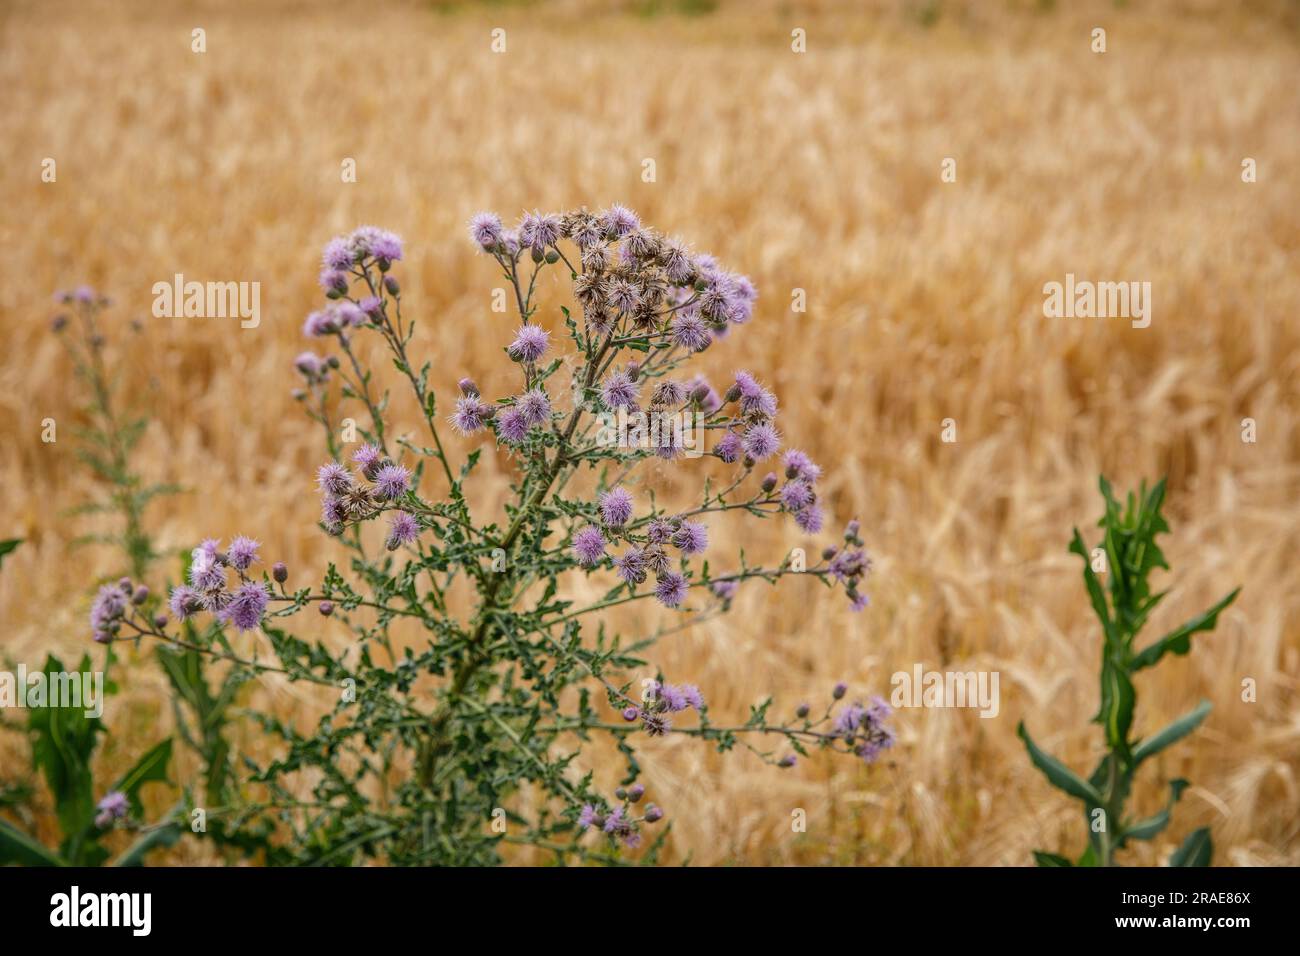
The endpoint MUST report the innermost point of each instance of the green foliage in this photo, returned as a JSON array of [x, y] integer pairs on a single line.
[[1129, 541], [63, 742]]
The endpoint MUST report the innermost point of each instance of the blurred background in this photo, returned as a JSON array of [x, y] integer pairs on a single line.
[[817, 171]]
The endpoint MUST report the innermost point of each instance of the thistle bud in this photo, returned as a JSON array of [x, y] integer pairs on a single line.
[[769, 482], [392, 285], [653, 813], [828, 553], [467, 387], [552, 257], [733, 394], [59, 323], [635, 792], [630, 714], [140, 596], [326, 608], [539, 254], [126, 585], [700, 394], [279, 572], [802, 711], [840, 690], [160, 621], [633, 370], [332, 361], [787, 761], [620, 793]]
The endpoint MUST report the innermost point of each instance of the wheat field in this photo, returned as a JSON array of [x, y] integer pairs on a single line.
[[817, 171]]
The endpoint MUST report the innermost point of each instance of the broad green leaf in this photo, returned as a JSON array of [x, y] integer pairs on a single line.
[[1154, 825], [151, 767], [1050, 859], [1195, 851], [1057, 773], [1179, 640], [1176, 731], [18, 847]]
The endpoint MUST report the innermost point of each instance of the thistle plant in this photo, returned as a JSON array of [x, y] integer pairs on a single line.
[[111, 435], [476, 679], [1131, 554]]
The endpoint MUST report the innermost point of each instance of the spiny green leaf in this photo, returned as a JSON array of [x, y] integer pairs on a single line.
[[1196, 850], [1057, 773], [1171, 734], [1179, 640]]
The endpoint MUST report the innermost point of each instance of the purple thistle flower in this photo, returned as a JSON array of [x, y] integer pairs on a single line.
[[691, 538], [587, 817], [810, 519], [485, 229], [392, 482], [668, 393], [670, 589], [859, 602], [639, 244], [761, 441], [676, 261], [309, 364], [799, 465], [618, 221], [623, 295], [534, 407], [589, 545], [243, 553], [539, 231], [333, 478], [338, 255], [796, 495], [656, 725], [690, 332], [619, 391], [670, 695], [530, 344], [728, 447], [108, 606], [246, 606], [693, 696], [631, 565], [616, 507], [402, 529], [588, 235], [754, 398], [333, 280], [386, 247], [704, 393], [472, 414], [659, 531], [184, 602], [333, 514], [373, 307], [726, 590], [512, 427], [114, 806], [656, 559], [369, 458], [321, 323]]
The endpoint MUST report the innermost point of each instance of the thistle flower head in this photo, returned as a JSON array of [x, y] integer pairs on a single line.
[[589, 546], [619, 390], [184, 602], [242, 553], [530, 343], [472, 414], [534, 407], [761, 441], [670, 589], [630, 565], [369, 458], [617, 221], [691, 538], [402, 529], [615, 507], [333, 478], [690, 332], [810, 519], [486, 230], [391, 482], [113, 806], [539, 230], [246, 606]]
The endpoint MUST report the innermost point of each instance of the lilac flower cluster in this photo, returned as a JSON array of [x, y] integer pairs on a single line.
[[346, 499], [114, 806], [619, 822], [862, 728], [850, 565], [661, 700], [209, 585]]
